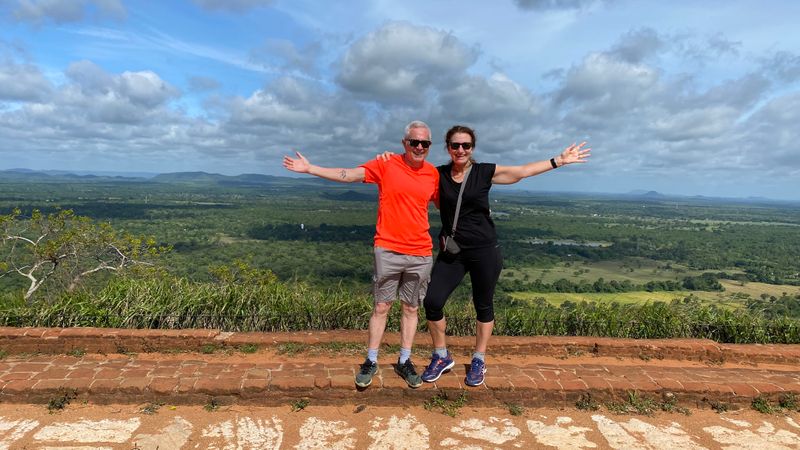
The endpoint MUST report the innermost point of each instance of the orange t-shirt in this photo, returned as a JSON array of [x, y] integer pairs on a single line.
[[403, 196]]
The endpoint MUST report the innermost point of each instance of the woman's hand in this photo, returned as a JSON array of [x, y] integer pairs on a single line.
[[575, 153], [299, 164], [385, 156]]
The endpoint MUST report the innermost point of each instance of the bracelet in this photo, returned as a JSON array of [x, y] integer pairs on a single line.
[[553, 163]]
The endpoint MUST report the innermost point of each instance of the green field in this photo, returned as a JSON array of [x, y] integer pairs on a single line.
[[316, 237]]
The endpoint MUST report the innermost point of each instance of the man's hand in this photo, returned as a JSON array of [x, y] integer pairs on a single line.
[[299, 164], [385, 156]]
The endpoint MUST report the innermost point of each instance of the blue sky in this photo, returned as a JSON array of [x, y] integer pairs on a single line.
[[682, 97]]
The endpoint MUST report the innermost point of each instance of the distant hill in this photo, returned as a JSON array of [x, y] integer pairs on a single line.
[[350, 196], [244, 180]]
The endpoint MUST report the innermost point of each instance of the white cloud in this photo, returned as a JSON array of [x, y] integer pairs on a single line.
[[22, 82], [237, 6], [400, 62], [63, 11], [555, 4]]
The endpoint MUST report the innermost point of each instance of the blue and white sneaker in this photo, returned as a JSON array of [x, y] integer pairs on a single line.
[[437, 367], [475, 376]]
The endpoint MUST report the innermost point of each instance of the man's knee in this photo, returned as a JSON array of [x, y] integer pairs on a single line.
[[409, 309], [381, 308]]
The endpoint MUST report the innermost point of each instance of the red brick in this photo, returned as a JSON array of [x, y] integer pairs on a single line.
[[218, 386], [342, 381], [548, 385], [669, 384], [743, 390], [18, 376], [646, 386], [18, 386], [133, 385], [257, 374], [392, 381], [186, 384], [597, 383], [693, 386], [107, 373], [253, 386], [521, 382], [163, 385], [766, 388], [31, 367], [499, 383], [81, 373], [573, 385], [450, 381], [104, 386], [52, 374], [291, 383]]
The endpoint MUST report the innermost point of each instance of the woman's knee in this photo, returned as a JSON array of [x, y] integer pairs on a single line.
[[484, 315]]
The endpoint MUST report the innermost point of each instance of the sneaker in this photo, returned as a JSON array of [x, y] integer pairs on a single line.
[[437, 367], [475, 375], [408, 373], [364, 376]]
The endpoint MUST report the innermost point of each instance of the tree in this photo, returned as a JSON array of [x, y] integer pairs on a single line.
[[63, 248]]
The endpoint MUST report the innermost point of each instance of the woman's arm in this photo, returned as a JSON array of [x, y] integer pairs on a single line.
[[575, 153], [301, 165]]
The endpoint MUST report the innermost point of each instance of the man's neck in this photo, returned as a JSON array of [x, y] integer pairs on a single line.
[[411, 162]]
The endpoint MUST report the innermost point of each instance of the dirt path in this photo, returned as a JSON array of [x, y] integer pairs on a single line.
[[85, 426]]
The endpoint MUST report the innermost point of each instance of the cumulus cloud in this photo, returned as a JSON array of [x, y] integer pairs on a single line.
[[637, 45], [236, 6], [199, 83], [555, 4], [400, 62], [63, 11], [783, 65], [22, 82], [288, 56]]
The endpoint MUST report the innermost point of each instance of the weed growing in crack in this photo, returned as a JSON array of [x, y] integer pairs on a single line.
[[299, 405], [151, 408], [441, 401], [212, 405], [762, 405], [586, 403], [61, 401]]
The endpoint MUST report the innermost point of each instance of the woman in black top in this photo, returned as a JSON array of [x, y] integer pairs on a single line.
[[475, 235]]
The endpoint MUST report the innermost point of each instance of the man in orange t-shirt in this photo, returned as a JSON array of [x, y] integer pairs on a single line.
[[403, 258]]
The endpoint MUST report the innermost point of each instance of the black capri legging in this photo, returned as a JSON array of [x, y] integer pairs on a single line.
[[484, 266]]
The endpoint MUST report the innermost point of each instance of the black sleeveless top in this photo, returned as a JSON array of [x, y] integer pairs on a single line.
[[475, 228]]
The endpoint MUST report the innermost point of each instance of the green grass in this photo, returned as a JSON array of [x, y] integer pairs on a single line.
[[635, 270], [262, 303]]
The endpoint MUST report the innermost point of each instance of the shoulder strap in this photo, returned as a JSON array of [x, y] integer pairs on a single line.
[[460, 193]]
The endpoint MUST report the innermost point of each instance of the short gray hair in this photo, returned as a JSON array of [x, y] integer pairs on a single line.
[[417, 124]]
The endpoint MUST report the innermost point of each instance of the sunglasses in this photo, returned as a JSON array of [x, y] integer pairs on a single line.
[[464, 145], [415, 142]]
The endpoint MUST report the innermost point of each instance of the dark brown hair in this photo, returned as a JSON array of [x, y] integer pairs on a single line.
[[460, 129]]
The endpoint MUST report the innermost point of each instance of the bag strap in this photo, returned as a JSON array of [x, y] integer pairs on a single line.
[[460, 193]]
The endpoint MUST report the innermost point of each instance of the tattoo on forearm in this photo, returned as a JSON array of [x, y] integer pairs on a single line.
[[343, 175]]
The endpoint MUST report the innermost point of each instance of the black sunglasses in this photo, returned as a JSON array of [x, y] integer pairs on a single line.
[[415, 142], [464, 145]]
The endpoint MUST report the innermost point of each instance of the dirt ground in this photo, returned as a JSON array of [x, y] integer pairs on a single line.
[[87, 426]]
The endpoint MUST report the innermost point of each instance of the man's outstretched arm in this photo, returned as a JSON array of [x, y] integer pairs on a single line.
[[301, 165]]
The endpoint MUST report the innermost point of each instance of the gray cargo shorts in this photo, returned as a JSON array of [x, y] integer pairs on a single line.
[[398, 275]]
